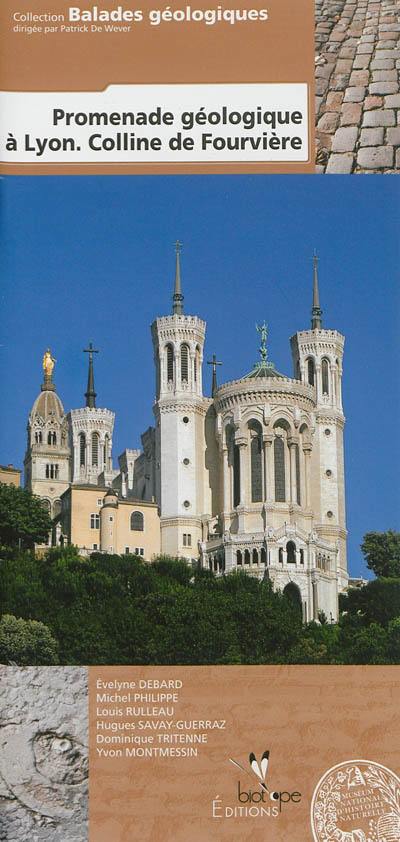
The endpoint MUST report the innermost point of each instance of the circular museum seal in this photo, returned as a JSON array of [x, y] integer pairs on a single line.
[[357, 801]]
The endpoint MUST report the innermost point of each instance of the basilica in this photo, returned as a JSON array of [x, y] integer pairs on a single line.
[[250, 478]]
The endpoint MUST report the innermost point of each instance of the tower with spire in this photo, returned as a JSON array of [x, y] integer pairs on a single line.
[[318, 361], [180, 408], [48, 456], [91, 433]]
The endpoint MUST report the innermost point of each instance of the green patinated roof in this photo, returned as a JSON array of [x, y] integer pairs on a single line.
[[261, 370]]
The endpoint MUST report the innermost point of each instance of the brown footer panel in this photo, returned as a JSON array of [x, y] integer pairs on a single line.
[[181, 768]]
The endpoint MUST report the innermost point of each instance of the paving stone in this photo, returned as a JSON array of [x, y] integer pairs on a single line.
[[393, 54], [339, 81], [334, 100], [345, 139], [365, 48], [372, 137], [360, 62], [344, 65], [350, 114], [375, 157], [359, 77], [392, 101], [384, 75], [383, 88], [393, 136], [373, 102], [398, 159], [321, 86], [340, 164], [329, 122], [382, 64], [354, 94], [381, 117]]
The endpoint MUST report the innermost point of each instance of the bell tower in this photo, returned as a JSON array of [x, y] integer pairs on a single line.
[[91, 437], [178, 341], [47, 458], [318, 361]]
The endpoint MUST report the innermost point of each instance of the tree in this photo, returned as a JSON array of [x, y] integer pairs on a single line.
[[26, 642], [377, 602], [23, 518], [382, 553]]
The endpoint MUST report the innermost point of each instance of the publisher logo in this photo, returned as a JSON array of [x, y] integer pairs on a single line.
[[357, 801], [254, 797]]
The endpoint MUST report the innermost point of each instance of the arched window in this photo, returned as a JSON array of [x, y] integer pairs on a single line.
[[51, 438], [311, 372], [301, 556], [291, 552], [236, 475], [56, 471], [170, 363], [184, 363], [280, 555], [297, 459], [263, 555], [279, 459], [106, 451], [95, 448], [256, 462], [56, 508], [325, 377], [239, 558], [137, 522], [292, 592], [255, 557], [82, 449], [196, 363], [38, 437], [247, 557]]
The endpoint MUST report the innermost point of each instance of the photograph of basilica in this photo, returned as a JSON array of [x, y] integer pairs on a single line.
[[250, 478]]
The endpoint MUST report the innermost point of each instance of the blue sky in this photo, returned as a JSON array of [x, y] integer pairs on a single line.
[[92, 259]]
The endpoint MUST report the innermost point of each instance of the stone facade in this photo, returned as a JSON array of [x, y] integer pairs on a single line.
[[253, 478], [10, 475], [96, 519]]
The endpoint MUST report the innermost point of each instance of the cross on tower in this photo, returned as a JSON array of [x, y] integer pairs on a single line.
[[90, 350], [214, 362]]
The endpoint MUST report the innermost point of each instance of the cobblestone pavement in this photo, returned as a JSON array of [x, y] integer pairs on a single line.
[[357, 86]]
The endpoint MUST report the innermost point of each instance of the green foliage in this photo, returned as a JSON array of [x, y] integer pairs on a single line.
[[111, 609], [382, 553], [118, 609], [26, 642], [378, 601], [23, 520]]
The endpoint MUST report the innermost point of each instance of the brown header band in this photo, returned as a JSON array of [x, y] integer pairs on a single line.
[[279, 49]]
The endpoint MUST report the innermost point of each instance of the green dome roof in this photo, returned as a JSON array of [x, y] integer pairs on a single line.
[[262, 370]]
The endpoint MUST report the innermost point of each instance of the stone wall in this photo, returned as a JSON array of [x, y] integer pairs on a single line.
[[43, 754]]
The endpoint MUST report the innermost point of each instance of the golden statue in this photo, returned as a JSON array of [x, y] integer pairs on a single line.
[[48, 363]]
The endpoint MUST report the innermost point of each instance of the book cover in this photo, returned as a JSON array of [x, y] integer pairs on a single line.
[[199, 505]]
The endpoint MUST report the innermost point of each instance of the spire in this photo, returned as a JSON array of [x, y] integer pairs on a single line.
[[90, 394], [177, 298], [316, 312], [214, 362]]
